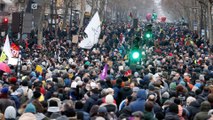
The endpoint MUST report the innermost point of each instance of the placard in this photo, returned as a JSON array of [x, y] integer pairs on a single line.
[[39, 69], [75, 39]]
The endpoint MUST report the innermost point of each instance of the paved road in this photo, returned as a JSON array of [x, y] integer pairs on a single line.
[[158, 8]]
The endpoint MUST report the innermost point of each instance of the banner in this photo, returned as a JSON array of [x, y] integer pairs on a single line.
[[93, 31], [12, 61], [104, 72]]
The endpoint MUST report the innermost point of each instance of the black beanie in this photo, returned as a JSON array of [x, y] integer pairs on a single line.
[[173, 108], [36, 94]]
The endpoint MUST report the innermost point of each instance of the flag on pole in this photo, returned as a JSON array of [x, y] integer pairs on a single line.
[[6, 48], [6, 52], [104, 72], [93, 31]]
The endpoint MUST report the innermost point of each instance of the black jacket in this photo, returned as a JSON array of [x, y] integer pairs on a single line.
[[90, 102], [193, 108]]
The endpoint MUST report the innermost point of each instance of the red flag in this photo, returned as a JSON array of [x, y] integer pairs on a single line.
[[15, 50], [128, 73]]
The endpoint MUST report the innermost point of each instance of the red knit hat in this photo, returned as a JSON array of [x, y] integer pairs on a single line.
[[13, 80]]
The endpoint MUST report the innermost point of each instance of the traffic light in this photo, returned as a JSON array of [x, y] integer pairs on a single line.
[[5, 20], [5, 23], [135, 53], [148, 32], [148, 35]]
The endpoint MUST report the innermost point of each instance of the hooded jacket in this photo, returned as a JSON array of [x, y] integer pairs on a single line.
[[138, 105], [171, 116], [90, 102], [193, 109], [203, 114], [124, 92]]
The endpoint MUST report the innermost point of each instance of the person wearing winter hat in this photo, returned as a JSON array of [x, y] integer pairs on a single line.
[[138, 115], [109, 104], [13, 80], [10, 113], [204, 109], [30, 108], [5, 100], [102, 112], [165, 96], [139, 104], [27, 116], [189, 100]]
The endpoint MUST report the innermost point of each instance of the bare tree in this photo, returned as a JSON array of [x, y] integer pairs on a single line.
[[40, 25], [83, 3]]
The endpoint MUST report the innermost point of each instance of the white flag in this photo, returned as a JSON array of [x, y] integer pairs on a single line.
[[6, 48], [93, 31], [86, 43]]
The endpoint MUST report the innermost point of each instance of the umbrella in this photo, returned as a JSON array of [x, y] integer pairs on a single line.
[[4, 67]]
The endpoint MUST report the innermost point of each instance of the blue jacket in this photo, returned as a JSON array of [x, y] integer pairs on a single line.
[[139, 104]]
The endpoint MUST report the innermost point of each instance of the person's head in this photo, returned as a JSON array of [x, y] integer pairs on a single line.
[[102, 111], [30, 108], [149, 106], [36, 94], [10, 113], [173, 108], [210, 98], [205, 106], [138, 115], [79, 105], [177, 101]]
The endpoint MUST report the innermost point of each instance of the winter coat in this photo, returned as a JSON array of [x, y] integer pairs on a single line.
[[124, 92], [193, 109], [171, 116], [4, 103], [139, 104], [149, 116], [86, 115], [203, 114], [90, 102], [49, 93]]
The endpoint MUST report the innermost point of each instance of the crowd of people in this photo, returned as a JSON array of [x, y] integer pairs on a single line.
[[174, 81]]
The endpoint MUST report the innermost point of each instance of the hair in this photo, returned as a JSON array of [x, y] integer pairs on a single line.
[[149, 106], [177, 101], [210, 98], [79, 105], [173, 108]]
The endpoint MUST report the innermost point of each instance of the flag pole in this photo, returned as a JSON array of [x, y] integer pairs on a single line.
[[20, 40]]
